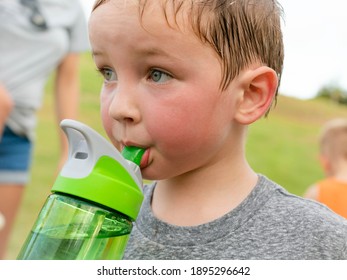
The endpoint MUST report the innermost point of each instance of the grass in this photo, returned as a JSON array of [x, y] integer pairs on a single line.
[[282, 146]]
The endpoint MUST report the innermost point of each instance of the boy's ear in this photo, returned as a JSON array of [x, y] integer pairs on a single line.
[[259, 88]]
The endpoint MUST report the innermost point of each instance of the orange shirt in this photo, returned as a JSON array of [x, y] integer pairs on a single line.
[[333, 193]]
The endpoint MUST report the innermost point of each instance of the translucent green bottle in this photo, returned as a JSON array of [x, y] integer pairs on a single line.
[[94, 201]]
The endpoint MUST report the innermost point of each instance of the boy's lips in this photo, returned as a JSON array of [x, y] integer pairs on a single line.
[[145, 159]]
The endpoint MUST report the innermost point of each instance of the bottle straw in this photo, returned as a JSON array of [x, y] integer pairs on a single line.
[[133, 154]]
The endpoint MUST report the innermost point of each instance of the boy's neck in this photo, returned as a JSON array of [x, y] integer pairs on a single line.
[[204, 195]]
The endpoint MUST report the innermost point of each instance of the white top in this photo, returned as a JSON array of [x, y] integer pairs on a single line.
[[29, 54]]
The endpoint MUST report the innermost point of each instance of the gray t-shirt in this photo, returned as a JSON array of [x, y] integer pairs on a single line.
[[269, 224], [29, 55]]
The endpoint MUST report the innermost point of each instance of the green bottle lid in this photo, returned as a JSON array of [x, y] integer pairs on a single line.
[[97, 172]]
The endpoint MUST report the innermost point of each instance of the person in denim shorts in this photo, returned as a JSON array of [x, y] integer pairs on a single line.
[[37, 38]]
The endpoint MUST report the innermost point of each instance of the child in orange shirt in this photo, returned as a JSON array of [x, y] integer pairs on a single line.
[[332, 191]]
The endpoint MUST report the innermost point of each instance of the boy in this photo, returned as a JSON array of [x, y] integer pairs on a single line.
[[183, 80], [332, 191]]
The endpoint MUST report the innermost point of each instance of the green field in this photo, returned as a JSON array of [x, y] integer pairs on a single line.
[[283, 146]]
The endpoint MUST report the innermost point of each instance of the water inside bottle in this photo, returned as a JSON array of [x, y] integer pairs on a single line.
[[76, 242]]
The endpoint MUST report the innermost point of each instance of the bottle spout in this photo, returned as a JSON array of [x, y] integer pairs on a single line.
[[133, 155]]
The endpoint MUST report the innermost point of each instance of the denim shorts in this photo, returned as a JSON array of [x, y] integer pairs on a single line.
[[15, 157]]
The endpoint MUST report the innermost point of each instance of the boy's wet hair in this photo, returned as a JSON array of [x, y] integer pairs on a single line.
[[242, 32]]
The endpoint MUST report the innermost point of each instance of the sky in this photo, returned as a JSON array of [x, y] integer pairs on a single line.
[[315, 42]]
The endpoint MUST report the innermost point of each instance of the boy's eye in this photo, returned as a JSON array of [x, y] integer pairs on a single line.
[[158, 76], [108, 74]]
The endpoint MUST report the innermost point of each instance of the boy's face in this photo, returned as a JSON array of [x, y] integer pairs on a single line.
[[161, 89]]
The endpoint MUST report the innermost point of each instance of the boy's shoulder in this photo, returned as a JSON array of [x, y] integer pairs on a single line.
[[306, 228], [295, 209]]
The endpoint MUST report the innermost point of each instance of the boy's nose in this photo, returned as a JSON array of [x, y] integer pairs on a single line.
[[123, 107]]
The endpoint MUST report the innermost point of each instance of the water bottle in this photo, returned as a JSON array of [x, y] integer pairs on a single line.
[[94, 201]]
